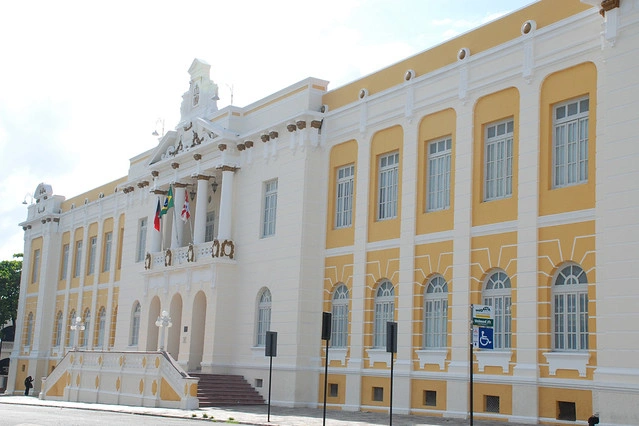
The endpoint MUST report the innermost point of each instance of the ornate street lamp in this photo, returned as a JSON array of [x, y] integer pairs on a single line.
[[77, 326], [163, 322]]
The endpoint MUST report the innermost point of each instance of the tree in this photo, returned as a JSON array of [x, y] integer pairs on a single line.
[[10, 271]]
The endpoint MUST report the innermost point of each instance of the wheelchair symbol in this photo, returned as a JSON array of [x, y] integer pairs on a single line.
[[484, 340]]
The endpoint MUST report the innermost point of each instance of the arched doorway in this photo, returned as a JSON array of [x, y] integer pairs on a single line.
[[152, 330], [198, 325], [175, 311]]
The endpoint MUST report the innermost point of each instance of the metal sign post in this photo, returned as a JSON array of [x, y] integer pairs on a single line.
[[270, 350], [327, 318], [391, 346], [482, 337]]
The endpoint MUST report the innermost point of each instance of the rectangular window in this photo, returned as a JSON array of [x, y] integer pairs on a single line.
[[436, 323], [64, 269], [141, 240], [438, 180], [344, 196], [571, 321], [502, 311], [339, 326], [570, 143], [270, 208], [108, 244], [333, 390], [498, 168], [93, 245], [36, 266], [430, 398], [378, 393], [388, 176], [77, 264], [492, 404], [209, 234], [566, 411]]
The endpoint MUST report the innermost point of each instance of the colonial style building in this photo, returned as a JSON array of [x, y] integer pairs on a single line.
[[498, 168]]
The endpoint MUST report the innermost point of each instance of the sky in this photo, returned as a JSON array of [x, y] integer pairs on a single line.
[[83, 84]]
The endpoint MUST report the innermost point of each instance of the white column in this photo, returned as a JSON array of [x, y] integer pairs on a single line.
[[356, 360], [460, 326], [178, 224], [525, 388], [226, 203], [200, 209], [403, 361]]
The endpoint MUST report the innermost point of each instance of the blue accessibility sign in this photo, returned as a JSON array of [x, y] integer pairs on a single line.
[[485, 338]]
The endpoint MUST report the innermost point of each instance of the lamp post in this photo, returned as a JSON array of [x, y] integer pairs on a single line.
[[77, 326], [163, 321]]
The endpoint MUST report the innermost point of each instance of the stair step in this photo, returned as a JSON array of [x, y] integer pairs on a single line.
[[226, 390]]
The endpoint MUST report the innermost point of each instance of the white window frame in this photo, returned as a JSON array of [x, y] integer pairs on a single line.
[[263, 317], [93, 248], [345, 180], [498, 159], [77, 266], [339, 317], [71, 335], [86, 332], [497, 293], [436, 313], [101, 327], [57, 336], [64, 271], [384, 312], [135, 324], [438, 161], [209, 232], [570, 309], [29, 332], [570, 142], [387, 180], [35, 271], [270, 208], [108, 246], [141, 248]]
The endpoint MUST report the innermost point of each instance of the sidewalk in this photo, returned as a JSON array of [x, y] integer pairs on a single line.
[[258, 415]]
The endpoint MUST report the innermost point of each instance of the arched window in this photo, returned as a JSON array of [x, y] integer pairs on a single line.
[[99, 342], [497, 293], [263, 317], [29, 333], [71, 335], [57, 335], [87, 323], [570, 308], [339, 326], [135, 324], [436, 313], [384, 312]]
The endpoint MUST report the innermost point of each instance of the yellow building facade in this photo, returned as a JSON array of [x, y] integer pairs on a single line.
[[498, 168]]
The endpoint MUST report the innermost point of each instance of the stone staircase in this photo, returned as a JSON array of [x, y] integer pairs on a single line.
[[216, 390]]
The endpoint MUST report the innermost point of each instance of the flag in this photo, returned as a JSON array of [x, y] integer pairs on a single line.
[[156, 221], [168, 202], [186, 213]]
